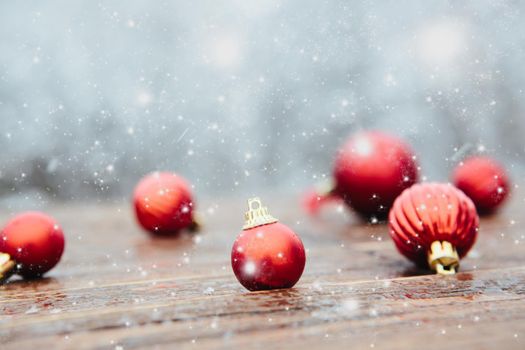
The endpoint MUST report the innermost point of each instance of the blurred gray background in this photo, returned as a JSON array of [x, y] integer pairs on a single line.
[[246, 96]]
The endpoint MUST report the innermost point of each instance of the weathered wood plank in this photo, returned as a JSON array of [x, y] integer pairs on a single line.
[[117, 287]]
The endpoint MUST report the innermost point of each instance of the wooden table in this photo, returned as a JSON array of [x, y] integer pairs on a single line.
[[117, 288]]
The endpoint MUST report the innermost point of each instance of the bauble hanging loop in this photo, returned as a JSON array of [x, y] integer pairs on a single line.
[[257, 215], [443, 258]]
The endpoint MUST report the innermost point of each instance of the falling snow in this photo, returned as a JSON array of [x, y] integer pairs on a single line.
[[233, 101], [244, 96]]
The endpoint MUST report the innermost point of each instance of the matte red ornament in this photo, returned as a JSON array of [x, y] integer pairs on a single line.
[[370, 171], [434, 225], [164, 204], [266, 254], [484, 180], [31, 244]]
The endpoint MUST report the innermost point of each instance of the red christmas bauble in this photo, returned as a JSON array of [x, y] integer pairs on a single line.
[[163, 203], [314, 199], [434, 225], [371, 170], [34, 241], [266, 254], [484, 181]]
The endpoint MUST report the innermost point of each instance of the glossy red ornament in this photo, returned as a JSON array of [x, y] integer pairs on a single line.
[[484, 181], [164, 204], [34, 241], [371, 170], [434, 225], [266, 254]]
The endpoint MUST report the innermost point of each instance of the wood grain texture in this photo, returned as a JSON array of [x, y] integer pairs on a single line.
[[118, 288]]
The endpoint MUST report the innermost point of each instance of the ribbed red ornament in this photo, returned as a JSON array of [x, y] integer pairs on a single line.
[[266, 254], [35, 243], [371, 170], [484, 180], [434, 225], [163, 203]]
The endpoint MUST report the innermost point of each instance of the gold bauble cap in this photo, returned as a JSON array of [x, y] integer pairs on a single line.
[[257, 215], [7, 267], [443, 258]]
